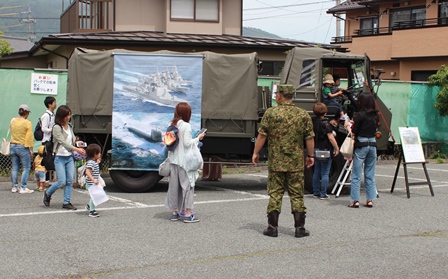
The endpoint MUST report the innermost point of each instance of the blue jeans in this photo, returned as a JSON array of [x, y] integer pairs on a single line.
[[322, 173], [364, 156], [20, 154], [65, 171]]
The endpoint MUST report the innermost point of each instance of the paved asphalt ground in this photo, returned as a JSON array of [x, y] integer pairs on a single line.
[[133, 238]]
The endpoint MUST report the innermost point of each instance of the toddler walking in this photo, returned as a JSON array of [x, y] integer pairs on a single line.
[[39, 170], [93, 152]]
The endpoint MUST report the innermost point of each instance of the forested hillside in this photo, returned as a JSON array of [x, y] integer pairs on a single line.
[[14, 15]]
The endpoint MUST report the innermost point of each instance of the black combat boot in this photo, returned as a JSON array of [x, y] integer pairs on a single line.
[[273, 224], [299, 224]]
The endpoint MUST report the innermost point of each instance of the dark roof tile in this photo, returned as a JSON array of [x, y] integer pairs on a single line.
[[345, 6], [150, 37]]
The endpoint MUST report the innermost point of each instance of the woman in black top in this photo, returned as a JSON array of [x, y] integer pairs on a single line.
[[364, 131], [323, 140]]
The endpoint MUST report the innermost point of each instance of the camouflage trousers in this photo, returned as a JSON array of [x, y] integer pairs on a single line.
[[291, 181]]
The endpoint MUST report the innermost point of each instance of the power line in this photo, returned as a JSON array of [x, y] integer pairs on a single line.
[[12, 7], [281, 16], [287, 6], [52, 18]]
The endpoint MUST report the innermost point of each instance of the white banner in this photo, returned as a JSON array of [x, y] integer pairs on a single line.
[[44, 84]]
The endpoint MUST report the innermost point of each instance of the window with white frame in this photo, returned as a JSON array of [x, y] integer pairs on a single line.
[[199, 10]]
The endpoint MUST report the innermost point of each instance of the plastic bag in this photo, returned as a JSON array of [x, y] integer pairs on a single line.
[[98, 194], [194, 159]]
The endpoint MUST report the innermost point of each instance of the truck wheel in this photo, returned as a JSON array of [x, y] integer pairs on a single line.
[[135, 181], [336, 167]]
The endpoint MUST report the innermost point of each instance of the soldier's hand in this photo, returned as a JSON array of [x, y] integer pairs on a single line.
[[255, 159]]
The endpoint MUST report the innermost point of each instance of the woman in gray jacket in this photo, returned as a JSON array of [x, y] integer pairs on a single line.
[[64, 146]]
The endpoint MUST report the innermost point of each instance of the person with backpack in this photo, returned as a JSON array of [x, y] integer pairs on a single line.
[[47, 119], [47, 122], [180, 193], [64, 145], [323, 141]]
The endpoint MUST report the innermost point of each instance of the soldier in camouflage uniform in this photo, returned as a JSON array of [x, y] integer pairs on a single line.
[[287, 127]]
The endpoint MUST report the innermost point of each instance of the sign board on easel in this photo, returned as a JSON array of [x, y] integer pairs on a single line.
[[411, 153], [412, 146]]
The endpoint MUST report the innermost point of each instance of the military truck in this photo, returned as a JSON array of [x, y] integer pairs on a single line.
[[231, 104]]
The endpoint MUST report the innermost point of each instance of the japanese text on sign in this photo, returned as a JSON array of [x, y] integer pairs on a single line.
[[44, 84]]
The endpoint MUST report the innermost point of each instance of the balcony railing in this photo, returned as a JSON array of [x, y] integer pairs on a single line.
[[411, 24], [86, 16], [341, 39]]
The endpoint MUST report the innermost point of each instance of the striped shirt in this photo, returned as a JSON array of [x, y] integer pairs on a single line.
[[95, 170]]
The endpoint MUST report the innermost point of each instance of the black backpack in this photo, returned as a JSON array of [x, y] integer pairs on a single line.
[[48, 159], [38, 133]]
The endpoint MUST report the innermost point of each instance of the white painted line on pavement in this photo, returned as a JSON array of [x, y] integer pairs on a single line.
[[410, 178], [134, 205]]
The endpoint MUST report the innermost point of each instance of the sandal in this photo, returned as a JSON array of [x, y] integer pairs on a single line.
[[354, 204], [369, 203]]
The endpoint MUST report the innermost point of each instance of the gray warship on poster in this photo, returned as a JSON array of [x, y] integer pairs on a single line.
[[147, 87]]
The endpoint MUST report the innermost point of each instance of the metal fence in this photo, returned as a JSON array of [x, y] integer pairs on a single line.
[[5, 165]]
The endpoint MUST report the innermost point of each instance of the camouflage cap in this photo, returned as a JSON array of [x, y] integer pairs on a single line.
[[285, 89]]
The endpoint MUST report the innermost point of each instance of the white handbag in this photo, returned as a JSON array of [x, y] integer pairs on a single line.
[[164, 168], [6, 144], [347, 147]]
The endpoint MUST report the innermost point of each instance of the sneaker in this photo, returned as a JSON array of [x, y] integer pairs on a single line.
[[88, 207], [25, 191], [14, 189], [175, 217], [47, 199], [323, 197], [316, 196], [68, 206], [182, 214], [93, 214], [191, 219]]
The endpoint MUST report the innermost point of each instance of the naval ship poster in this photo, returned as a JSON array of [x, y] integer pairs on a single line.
[[147, 87]]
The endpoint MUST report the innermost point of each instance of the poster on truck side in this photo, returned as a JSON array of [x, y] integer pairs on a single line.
[[147, 87]]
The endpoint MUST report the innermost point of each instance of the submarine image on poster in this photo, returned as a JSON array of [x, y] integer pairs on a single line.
[[155, 136]]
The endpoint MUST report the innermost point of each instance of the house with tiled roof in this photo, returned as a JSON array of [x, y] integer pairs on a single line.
[[405, 38], [18, 44], [150, 25]]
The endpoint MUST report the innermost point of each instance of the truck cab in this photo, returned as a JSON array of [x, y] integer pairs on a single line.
[[305, 69]]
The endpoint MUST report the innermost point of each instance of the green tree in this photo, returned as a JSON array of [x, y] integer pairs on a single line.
[[441, 79], [5, 47]]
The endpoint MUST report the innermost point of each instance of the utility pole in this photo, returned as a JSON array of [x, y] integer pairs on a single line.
[[338, 21], [29, 21]]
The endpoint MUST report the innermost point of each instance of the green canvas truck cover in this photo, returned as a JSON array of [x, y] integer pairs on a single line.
[[229, 83]]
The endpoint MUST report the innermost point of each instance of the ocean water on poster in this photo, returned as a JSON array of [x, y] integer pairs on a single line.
[[130, 150]]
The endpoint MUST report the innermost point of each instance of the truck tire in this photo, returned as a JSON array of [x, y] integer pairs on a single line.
[[135, 181], [336, 167]]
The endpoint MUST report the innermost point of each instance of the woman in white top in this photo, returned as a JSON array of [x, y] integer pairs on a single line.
[[64, 146], [181, 182]]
